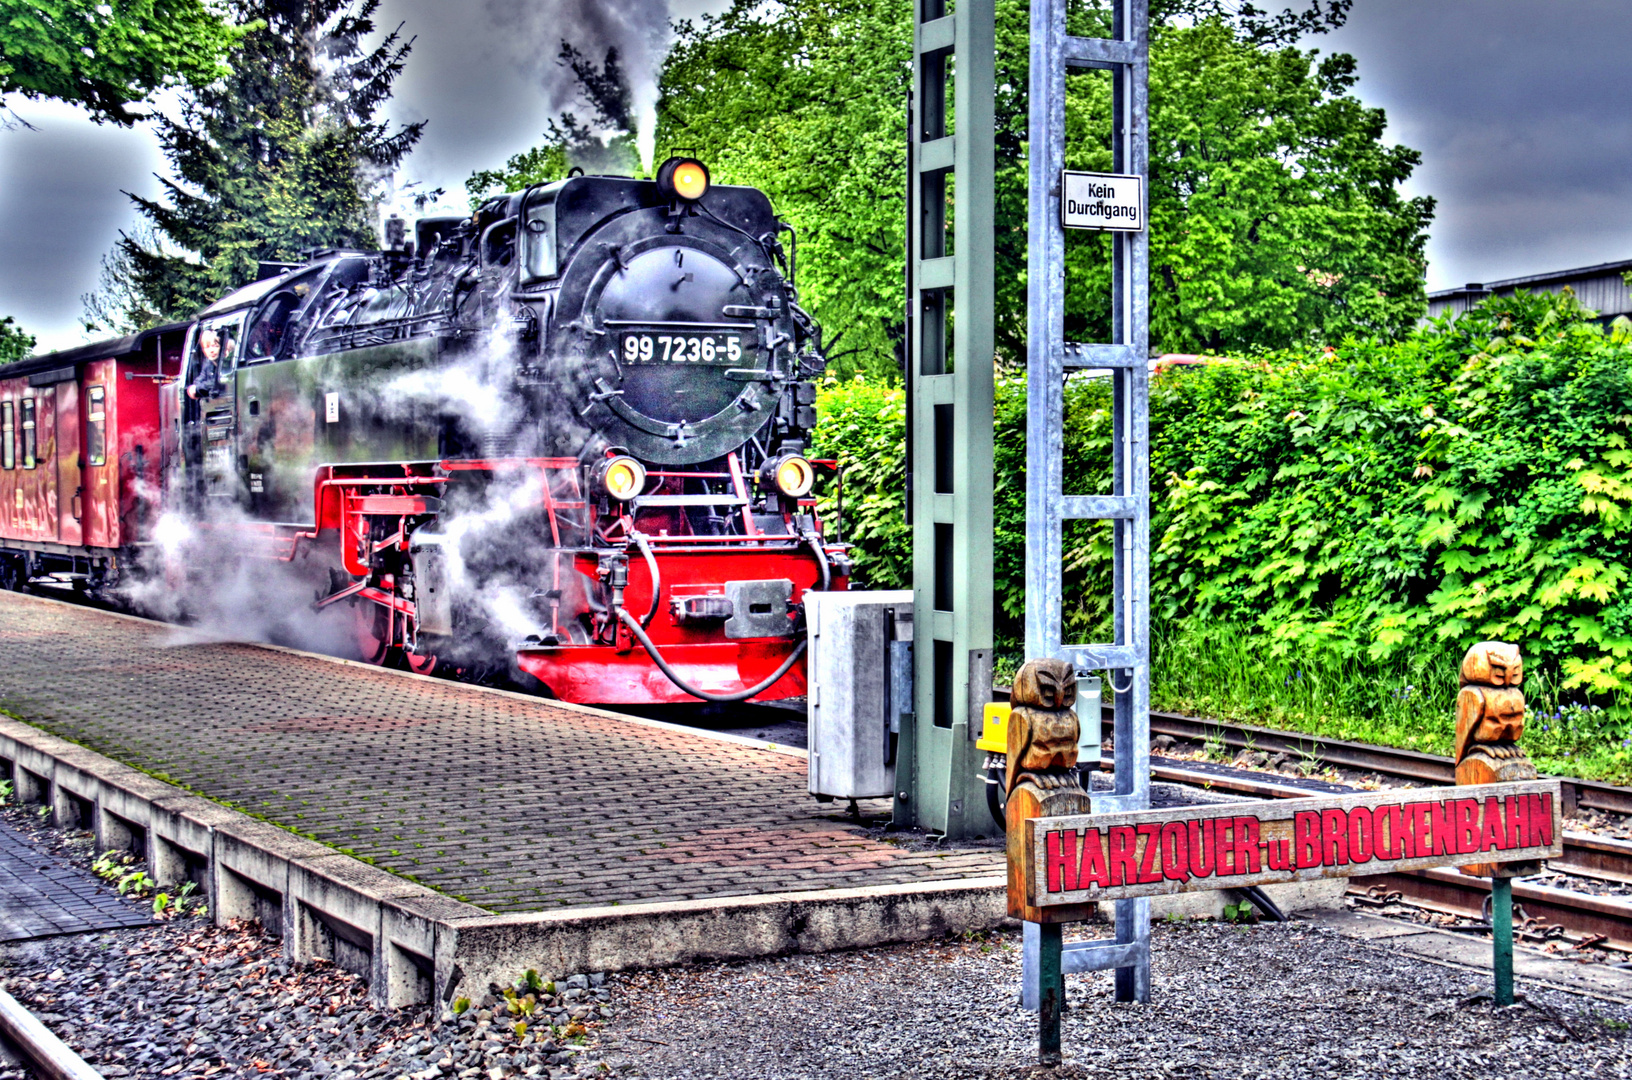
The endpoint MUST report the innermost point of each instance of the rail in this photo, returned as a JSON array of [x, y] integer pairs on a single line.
[[1605, 920], [1384, 760]]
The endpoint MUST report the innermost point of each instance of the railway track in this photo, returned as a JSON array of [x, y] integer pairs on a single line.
[[1593, 914], [1383, 760]]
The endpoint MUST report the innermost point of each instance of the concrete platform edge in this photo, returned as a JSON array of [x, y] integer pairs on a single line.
[[500, 948]]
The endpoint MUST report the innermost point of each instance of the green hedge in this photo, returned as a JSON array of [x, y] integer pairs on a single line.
[[1352, 517]]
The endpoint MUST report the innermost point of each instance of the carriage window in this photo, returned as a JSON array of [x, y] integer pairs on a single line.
[[96, 427], [28, 433], [8, 435]]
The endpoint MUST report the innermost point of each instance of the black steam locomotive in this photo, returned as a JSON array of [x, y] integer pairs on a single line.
[[567, 433]]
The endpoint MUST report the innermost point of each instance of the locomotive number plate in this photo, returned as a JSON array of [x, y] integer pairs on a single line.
[[642, 347]]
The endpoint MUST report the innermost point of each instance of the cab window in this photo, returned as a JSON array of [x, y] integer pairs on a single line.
[[28, 433], [96, 426], [214, 353], [8, 435], [268, 337]]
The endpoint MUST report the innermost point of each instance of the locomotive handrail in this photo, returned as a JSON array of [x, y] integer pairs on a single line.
[[689, 500], [780, 539]]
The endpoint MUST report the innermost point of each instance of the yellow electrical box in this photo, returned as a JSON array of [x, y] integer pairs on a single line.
[[994, 732]]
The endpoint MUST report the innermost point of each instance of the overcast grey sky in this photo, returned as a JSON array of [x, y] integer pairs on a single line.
[[1522, 110]]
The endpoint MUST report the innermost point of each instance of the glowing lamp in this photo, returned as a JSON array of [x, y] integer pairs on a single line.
[[683, 178], [621, 477], [794, 476]]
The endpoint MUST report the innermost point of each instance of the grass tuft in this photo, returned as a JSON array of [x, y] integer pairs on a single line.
[[1223, 671]]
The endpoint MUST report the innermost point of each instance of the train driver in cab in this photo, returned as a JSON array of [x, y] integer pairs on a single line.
[[215, 357]]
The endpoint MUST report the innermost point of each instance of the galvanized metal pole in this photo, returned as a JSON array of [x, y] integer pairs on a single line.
[[951, 401], [1049, 358], [1501, 934]]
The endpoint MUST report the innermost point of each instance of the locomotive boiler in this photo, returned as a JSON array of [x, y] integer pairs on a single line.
[[562, 441]]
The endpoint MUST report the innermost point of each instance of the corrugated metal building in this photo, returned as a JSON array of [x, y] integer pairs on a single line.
[[1600, 287]]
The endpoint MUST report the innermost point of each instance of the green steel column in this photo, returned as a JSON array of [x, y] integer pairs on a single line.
[[1501, 934], [1051, 1003], [950, 357]]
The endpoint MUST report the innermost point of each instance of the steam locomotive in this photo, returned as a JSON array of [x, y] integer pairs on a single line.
[[562, 441]]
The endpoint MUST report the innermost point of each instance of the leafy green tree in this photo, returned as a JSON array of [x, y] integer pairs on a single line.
[[1340, 522], [807, 101], [605, 144], [106, 56], [1274, 207], [283, 155], [15, 343], [1275, 211]]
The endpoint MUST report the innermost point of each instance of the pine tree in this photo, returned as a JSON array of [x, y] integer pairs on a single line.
[[282, 156]]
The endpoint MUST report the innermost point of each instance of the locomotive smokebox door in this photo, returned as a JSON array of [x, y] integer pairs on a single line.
[[852, 704]]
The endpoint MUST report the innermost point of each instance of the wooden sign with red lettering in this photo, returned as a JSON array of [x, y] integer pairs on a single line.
[[1071, 860]]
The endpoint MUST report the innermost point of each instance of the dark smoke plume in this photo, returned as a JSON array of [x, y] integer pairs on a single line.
[[561, 42]]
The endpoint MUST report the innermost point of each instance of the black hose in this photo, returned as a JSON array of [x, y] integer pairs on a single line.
[[657, 579], [995, 779], [663, 665], [1260, 900], [821, 560]]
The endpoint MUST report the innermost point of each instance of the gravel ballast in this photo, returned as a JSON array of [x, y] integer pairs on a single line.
[[189, 999], [1287, 1000], [197, 1000]]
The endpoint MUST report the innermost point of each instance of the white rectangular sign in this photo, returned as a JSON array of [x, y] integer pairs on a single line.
[[1107, 201]]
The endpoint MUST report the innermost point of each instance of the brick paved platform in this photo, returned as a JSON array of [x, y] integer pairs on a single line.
[[42, 896], [511, 803]]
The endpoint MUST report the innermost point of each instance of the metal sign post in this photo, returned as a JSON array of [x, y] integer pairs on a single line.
[[1049, 358], [938, 786]]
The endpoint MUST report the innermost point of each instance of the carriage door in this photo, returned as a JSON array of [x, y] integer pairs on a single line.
[[70, 495], [99, 468]]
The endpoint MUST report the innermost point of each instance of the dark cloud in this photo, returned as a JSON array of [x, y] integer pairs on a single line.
[[1520, 108], [1523, 112], [60, 211]]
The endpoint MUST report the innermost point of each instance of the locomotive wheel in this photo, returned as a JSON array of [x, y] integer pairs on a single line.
[[372, 632], [419, 665]]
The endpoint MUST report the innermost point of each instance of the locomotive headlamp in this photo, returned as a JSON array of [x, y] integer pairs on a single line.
[[683, 178], [793, 476], [621, 477]]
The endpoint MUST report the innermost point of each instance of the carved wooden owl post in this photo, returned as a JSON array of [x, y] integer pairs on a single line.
[[1489, 723], [1041, 771]]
